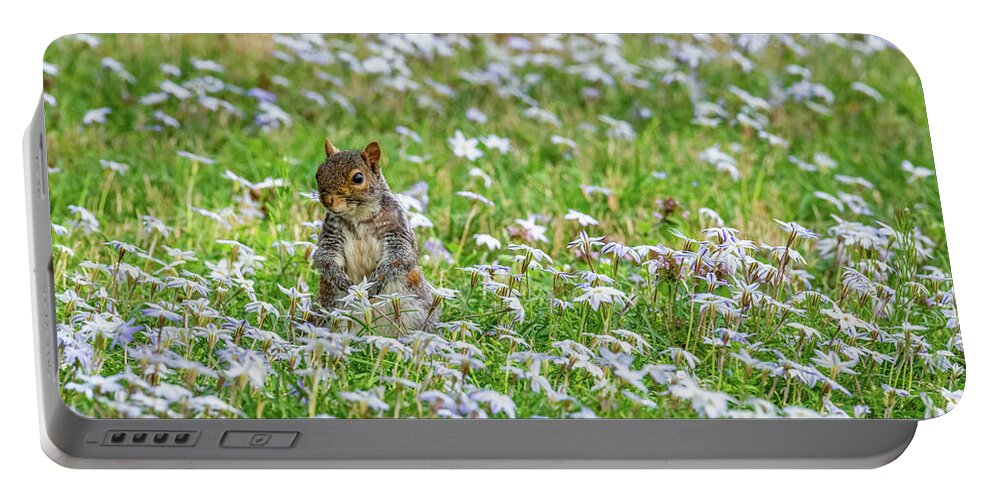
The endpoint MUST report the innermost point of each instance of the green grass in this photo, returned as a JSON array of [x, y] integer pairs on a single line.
[[866, 138]]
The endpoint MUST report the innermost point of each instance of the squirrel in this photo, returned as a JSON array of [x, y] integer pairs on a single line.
[[365, 236]]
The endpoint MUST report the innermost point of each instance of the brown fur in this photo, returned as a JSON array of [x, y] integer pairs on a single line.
[[414, 279]]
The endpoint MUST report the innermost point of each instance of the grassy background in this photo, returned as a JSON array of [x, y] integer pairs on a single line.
[[867, 138]]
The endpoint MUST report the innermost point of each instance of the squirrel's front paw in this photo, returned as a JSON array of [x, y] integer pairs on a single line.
[[377, 286], [338, 279]]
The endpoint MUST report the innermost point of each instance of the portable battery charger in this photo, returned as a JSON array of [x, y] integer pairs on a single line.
[[486, 251]]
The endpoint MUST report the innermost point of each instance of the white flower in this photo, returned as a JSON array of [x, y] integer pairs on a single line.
[[475, 115], [558, 139], [153, 225], [248, 366], [376, 65], [847, 322], [774, 140], [206, 65], [270, 116], [90, 40], [916, 173], [120, 168], [710, 404], [170, 69], [370, 399], [867, 90], [469, 195], [170, 87], [498, 402], [417, 220], [118, 69], [165, 311], [357, 293], [722, 161], [485, 240], [619, 129], [98, 115], [824, 161], [797, 229], [406, 132], [854, 181], [501, 144], [581, 218], [464, 147], [478, 172], [833, 363], [529, 229], [154, 98], [195, 157], [589, 190], [952, 397], [166, 119], [585, 242], [542, 115], [535, 254], [87, 220], [597, 295], [638, 400]]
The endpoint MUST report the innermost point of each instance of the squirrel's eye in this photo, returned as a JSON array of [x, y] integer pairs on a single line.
[[357, 179]]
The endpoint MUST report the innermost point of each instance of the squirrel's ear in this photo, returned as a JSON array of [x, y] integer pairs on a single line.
[[371, 154], [329, 148]]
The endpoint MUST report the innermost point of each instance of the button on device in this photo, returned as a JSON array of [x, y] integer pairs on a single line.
[[260, 439]]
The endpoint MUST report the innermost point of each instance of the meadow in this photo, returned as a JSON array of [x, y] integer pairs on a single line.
[[615, 226]]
